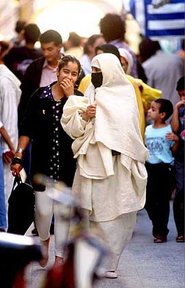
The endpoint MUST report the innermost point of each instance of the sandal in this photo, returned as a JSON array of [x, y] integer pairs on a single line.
[[160, 239], [180, 239], [111, 274]]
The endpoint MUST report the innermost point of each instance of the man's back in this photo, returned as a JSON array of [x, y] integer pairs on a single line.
[[19, 58], [163, 70]]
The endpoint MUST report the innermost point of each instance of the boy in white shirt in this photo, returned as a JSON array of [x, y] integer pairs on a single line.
[[161, 143]]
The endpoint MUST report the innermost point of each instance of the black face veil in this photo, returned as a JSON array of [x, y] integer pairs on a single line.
[[97, 79]]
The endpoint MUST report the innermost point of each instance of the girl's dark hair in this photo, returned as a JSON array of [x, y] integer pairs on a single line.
[[66, 59], [165, 106]]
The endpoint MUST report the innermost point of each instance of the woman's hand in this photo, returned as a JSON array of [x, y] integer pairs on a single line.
[[89, 113], [8, 156], [67, 86], [16, 165], [16, 168]]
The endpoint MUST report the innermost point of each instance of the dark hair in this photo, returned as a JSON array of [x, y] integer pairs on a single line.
[[109, 48], [181, 84], [148, 48], [166, 106], [90, 42], [20, 25], [31, 33], [66, 59], [51, 36], [112, 26], [75, 39]]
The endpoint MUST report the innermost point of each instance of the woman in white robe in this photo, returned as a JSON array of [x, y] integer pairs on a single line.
[[110, 179]]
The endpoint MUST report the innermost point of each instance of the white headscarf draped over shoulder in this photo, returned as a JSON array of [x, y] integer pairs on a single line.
[[128, 56], [117, 117], [116, 125]]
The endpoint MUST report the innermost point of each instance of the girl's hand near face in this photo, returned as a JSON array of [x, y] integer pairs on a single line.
[[89, 113], [67, 86]]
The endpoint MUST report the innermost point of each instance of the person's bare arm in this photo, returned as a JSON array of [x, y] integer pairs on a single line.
[[21, 147], [173, 137], [175, 116], [8, 155], [16, 165], [6, 138]]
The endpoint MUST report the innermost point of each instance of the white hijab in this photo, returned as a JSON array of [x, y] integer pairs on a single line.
[[117, 117], [115, 126]]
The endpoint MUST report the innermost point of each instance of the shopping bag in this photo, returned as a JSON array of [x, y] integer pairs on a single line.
[[20, 207]]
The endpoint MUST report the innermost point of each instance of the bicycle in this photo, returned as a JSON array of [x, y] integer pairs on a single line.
[[85, 251]]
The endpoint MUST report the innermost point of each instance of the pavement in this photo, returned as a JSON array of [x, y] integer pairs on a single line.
[[143, 264]]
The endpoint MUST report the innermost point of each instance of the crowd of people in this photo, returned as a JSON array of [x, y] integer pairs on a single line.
[[108, 123]]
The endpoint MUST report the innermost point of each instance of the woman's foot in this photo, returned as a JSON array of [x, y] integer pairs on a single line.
[[43, 262], [160, 239], [180, 238], [111, 274]]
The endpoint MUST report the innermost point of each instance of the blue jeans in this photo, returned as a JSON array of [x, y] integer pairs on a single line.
[[3, 222]]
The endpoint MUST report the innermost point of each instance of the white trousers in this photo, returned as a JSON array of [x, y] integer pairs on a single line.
[[117, 234], [45, 208]]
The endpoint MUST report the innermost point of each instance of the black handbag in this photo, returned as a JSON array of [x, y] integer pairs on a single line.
[[21, 207]]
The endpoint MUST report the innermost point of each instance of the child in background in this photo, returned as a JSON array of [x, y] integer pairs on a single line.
[[178, 126], [161, 143], [4, 134]]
